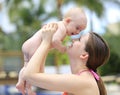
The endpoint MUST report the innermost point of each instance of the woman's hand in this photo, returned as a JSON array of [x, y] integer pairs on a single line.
[[48, 31]]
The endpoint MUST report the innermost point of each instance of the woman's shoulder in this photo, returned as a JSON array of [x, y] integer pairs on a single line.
[[87, 83]]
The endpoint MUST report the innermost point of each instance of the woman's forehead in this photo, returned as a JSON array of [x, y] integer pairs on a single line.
[[85, 36]]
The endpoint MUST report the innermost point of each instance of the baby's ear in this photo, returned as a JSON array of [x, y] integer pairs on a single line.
[[68, 20]]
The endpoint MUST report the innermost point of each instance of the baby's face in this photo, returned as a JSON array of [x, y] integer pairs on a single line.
[[73, 28]]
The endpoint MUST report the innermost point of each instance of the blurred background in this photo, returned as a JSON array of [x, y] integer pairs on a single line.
[[20, 19]]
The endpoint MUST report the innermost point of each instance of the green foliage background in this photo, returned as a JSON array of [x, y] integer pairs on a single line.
[[112, 67]]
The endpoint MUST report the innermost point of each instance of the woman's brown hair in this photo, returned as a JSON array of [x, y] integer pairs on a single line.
[[99, 53]]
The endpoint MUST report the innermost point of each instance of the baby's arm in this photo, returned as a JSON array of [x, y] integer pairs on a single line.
[[57, 40]]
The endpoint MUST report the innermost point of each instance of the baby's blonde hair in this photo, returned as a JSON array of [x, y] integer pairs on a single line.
[[75, 13]]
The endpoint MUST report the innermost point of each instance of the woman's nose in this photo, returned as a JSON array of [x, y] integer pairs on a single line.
[[77, 32]]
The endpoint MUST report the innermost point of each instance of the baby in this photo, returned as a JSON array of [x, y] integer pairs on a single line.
[[73, 22]]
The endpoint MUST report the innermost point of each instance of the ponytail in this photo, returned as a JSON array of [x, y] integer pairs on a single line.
[[99, 53]]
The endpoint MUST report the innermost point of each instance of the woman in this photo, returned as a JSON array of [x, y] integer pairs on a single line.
[[86, 55]]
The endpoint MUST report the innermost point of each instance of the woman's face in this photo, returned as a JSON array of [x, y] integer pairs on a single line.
[[78, 46]]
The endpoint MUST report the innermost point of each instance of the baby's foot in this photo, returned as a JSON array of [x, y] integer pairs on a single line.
[[21, 87], [29, 90]]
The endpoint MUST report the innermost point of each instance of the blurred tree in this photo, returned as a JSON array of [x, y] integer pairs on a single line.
[[27, 17], [117, 2], [7, 40], [59, 5], [2, 34], [0, 6], [112, 66]]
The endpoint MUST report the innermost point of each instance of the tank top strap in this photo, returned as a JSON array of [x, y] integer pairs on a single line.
[[96, 76]]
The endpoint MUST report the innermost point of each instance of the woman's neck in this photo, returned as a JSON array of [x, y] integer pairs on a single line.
[[77, 66]]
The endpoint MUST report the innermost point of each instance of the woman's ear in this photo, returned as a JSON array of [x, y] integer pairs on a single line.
[[84, 56]]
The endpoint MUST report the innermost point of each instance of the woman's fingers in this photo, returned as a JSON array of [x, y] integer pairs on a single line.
[[55, 26], [49, 27], [52, 27], [48, 31]]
